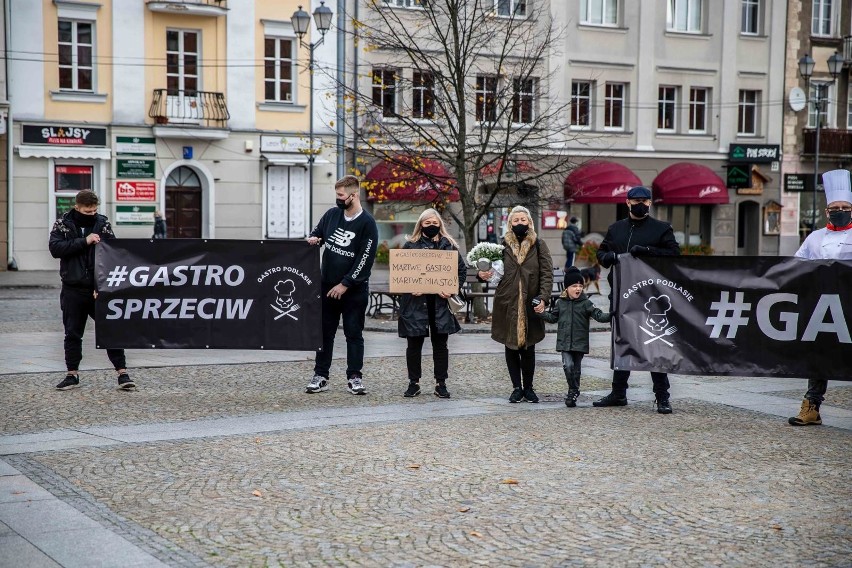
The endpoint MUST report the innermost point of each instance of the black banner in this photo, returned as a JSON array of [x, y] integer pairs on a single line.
[[58, 135], [216, 294], [742, 316]]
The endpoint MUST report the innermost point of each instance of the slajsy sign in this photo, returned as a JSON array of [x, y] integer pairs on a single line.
[[59, 135]]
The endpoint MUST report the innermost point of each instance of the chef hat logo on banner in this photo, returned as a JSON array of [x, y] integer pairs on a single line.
[[658, 319]]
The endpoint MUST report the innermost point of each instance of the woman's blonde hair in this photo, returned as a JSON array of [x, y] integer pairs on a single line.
[[415, 235], [519, 209]]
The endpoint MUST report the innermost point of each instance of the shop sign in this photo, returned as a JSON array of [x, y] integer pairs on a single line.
[[739, 177], [800, 183], [57, 135], [292, 144], [755, 153], [135, 146], [64, 204], [134, 214], [135, 191], [137, 169]]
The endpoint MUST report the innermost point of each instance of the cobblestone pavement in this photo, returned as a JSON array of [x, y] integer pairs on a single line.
[[707, 486], [721, 482]]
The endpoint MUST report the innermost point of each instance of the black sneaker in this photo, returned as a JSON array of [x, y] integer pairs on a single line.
[[529, 395], [516, 396], [441, 391], [68, 383], [413, 390], [571, 399], [125, 382], [664, 406], [611, 400]]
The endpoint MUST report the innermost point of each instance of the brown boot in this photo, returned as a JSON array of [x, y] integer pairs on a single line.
[[808, 415]]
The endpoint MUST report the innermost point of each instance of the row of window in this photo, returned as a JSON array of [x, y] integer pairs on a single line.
[[669, 108]]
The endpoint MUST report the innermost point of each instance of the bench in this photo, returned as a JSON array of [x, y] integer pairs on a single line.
[[470, 296], [382, 299]]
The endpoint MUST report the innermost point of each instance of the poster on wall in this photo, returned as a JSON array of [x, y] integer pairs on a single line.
[[64, 203], [134, 215], [135, 146], [135, 191], [135, 168], [286, 203]]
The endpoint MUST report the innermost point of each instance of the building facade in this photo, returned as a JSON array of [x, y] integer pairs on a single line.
[[684, 96], [819, 29], [198, 108]]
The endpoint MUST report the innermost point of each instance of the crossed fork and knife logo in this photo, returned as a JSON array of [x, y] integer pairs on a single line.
[[655, 337]]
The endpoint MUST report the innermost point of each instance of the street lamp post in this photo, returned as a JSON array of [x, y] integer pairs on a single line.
[[806, 70], [301, 21]]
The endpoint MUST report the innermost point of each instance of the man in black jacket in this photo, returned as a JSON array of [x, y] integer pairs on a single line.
[[640, 235], [73, 240], [350, 236]]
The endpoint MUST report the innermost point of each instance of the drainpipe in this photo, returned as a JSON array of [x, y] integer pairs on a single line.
[[355, 79], [10, 185], [341, 81]]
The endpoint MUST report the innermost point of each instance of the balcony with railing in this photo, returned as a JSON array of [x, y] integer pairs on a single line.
[[833, 142], [190, 7], [195, 110]]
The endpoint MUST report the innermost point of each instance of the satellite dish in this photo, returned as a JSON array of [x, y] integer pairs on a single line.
[[797, 99]]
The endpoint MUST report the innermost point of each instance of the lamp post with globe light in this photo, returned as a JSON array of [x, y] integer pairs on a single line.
[[806, 70], [301, 21]]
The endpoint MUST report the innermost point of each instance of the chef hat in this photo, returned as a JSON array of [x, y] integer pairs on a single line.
[[837, 186]]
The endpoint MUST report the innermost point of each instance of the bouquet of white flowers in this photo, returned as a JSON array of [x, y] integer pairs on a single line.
[[485, 257]]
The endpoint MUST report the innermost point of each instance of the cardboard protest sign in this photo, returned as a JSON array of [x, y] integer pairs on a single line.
[[423, 271]]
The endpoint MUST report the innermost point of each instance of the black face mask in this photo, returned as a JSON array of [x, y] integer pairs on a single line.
[[341, 203], [520, 230], [82, 220], [840, 218], [639, 210], [430, 231]]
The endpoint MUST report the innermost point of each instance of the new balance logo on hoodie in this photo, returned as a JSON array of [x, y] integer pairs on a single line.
[[341, 238]]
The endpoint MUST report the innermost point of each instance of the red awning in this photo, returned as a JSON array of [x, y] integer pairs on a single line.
[[600, 182], [689, 184], [410, 179]]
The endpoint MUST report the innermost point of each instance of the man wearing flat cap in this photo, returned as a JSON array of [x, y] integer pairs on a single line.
[[832, 242], [640, 235]]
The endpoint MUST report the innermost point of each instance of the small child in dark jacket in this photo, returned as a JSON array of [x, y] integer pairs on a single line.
[[572, 311]]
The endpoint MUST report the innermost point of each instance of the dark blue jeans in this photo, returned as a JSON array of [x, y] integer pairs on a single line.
[[352, 306]]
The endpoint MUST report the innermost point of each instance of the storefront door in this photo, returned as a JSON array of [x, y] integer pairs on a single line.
[[183, 204], [748, 228]]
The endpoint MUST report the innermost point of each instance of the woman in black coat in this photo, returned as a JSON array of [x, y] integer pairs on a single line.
[[422, 315]]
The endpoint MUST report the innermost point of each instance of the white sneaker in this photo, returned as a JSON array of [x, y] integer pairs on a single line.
[[317, 384], [355, 385]]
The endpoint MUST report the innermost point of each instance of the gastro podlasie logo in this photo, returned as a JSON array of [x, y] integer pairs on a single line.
[[288, 284]]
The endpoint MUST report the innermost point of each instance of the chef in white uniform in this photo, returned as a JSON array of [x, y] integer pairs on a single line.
[[832, 242]]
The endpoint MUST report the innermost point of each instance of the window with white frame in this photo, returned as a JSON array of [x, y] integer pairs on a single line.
[[384, 91], [667, 109], [821, 93], [523, 100], [683, 15], [750, 21], [599, 12], [699, 100], [581, 104], [508, 8], [486, 98], [76, 49], [747, 112], [822, 18], [422, 95], [278, 69], [849, 110], [614, 104], [406, 3]]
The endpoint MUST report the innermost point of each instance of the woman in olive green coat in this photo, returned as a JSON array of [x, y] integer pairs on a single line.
[[524, 289]]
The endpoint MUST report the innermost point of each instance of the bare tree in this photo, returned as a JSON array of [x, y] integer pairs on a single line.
[[465, 83]]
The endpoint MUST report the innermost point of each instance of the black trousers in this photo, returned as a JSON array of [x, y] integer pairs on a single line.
[[78, 305], [352, 306], [521, 364], [660, 380], [440, 356]]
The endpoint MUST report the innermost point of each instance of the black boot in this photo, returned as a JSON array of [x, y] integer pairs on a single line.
[[612, 399], [571, 399], [663, 405]]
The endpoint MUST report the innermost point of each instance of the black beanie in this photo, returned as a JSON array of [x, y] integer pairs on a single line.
[[573, 276]]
